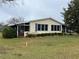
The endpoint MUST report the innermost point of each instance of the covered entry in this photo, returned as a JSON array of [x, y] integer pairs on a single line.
[[21, 28]]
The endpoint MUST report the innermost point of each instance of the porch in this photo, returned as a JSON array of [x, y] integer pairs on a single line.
[[21, 29]]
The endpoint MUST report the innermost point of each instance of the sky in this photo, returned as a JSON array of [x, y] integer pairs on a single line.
[[34, 9]]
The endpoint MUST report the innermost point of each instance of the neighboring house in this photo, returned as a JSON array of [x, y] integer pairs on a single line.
[[47, 25]]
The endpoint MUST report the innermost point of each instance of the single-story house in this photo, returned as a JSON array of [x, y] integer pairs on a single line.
[[41, 26]]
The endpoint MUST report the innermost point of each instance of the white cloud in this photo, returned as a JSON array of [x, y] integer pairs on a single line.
[[33, 9]]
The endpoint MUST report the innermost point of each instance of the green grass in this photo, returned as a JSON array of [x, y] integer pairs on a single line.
[[49, 47]]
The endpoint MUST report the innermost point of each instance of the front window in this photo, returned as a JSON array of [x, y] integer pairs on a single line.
[[46, 27], [41, 27], [55, 27]]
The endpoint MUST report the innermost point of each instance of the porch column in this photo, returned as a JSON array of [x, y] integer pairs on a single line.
[[17, 31], [65, 30], [61, 28]]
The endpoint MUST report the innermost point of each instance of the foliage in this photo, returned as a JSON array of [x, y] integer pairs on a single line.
[[44, 34], [9, 32], [1, 26], [71, 16], [15, 20], [11, 2], [6, 1]]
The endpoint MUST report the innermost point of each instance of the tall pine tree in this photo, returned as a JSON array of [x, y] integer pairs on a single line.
[[71, 16]]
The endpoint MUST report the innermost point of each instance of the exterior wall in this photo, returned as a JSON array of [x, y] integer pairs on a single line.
[[48, 21]]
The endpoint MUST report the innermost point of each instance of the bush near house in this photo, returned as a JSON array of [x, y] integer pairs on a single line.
[[44, 34], [9, 32]]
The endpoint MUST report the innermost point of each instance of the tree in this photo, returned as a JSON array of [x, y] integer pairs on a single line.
[[15, 20], [71, 15], [9, 32], [6, 1], [11, 2], [1, 26]]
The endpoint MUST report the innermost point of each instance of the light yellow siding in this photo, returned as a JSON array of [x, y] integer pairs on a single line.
[[47, 21]]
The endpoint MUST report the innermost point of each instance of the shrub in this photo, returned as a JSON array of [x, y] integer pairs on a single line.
[[44, 34], [9, 32], [32, 35]]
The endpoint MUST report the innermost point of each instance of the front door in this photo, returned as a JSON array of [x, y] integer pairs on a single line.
[[21, 30]]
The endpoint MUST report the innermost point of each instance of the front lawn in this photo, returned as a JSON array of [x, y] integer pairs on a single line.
[[49, 47]]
